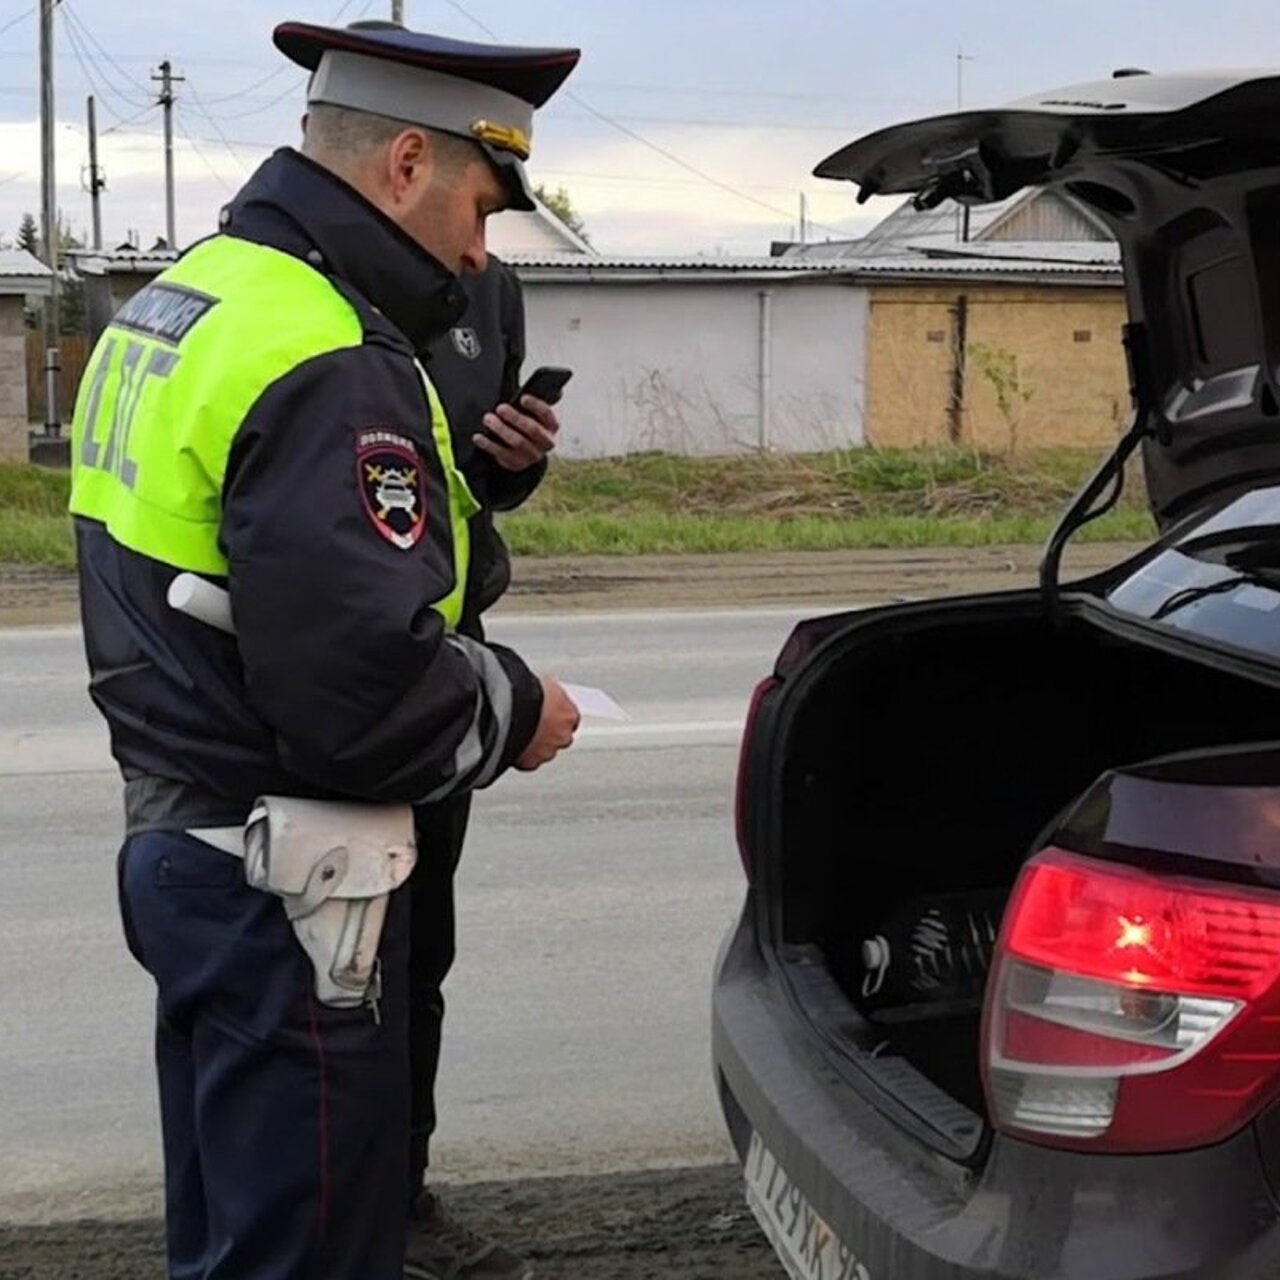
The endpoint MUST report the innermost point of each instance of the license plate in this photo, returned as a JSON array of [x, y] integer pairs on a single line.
[[806, 1245]]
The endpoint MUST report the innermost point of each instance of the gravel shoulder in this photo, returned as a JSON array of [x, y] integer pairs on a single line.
[[39, 597], [687, 1223]]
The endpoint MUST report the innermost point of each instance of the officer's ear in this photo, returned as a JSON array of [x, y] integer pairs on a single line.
[[411, 164]]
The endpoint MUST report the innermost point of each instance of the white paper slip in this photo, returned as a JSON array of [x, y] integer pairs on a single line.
[[594, 702]]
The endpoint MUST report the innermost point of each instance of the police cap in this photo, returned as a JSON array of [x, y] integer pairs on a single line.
[[484, 92]]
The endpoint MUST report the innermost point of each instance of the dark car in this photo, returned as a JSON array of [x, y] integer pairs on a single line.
[[1004, 999]]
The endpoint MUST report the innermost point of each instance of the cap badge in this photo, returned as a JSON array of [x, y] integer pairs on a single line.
[[504, 137]]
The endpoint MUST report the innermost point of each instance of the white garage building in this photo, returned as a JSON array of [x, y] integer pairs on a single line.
[[699, 356]]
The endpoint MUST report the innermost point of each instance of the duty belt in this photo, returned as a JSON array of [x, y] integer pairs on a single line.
[[152, 803]]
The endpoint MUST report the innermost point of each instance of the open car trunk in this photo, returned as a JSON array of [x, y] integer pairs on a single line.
[[1185, 171], [920, 766]]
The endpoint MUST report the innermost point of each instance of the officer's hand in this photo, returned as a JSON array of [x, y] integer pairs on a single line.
[[523, 438], [559, 722]]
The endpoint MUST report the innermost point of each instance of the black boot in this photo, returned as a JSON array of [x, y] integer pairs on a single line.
[[441, 1248]]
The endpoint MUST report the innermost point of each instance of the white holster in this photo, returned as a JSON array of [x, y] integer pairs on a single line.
[[334, 866]]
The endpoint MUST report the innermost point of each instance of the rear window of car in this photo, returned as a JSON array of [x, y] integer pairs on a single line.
[[1218, 579]]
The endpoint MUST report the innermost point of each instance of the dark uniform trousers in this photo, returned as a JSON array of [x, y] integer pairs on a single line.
[[441, 830], [266, 1179], [469, 387]]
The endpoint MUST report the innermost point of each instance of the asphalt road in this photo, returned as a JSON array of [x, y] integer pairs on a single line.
[[592, 899]]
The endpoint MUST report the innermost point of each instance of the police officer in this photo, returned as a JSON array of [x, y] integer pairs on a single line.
[[256, 417], [502, 448]]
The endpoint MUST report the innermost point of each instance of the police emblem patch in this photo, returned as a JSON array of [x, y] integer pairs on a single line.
[[466, 342], [389, 475]]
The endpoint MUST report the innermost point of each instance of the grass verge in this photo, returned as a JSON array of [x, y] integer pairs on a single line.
[[34, 528], [589, 534], [658, 503]]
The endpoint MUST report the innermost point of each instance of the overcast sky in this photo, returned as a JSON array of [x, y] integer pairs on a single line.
[[744, 96]]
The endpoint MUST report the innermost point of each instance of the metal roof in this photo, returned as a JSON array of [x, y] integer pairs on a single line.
[[98, 262], [906, 230], [535, 231], [939, 225], [657, 262], [18, 262], [1006, 261], [1103, 252], [22, 273], [911, 230], [1010, 266]]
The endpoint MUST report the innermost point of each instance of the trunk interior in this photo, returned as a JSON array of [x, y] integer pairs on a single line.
[[919, 771]]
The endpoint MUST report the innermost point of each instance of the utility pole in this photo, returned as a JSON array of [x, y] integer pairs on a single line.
[[397, 11], [97, 180], [804, 219], [167, 80], [49, 218], [961, 59]]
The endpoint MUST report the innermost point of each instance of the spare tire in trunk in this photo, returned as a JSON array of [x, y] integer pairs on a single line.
[[920, 768]]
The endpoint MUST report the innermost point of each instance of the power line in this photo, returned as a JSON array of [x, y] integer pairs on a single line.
[[475, 22], [146, 59], [623, 179], [666, 90], [125, 123], [101, 90], [248, 90], [243, 144], [703, 91], [682, 163], [688, 122], [640, 138], [13, 22], [73, 18], [675, 121], [697, 122], [182, 128], [266, 106], [626, 179], [217, 128], [586, 175]]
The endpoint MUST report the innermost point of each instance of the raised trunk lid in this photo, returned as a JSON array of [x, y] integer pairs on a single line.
[[1185, 170]]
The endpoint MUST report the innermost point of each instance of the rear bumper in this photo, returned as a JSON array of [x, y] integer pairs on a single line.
[[902, 1213]]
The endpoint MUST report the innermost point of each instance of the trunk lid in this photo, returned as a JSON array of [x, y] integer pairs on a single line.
[[1185, 170]]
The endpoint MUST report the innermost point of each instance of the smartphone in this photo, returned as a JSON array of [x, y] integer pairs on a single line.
[[546, 383]]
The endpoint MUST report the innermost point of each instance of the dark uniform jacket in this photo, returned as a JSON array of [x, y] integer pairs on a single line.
[[475, 367], [342, 680]]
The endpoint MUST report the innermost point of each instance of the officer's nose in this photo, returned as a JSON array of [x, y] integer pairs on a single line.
[[476, 257]]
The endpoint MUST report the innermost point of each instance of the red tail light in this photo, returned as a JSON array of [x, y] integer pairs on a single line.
[[745, 851], [1132, 1012]]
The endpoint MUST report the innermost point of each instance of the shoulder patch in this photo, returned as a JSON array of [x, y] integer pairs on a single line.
[[165, 311], [389, 476]]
